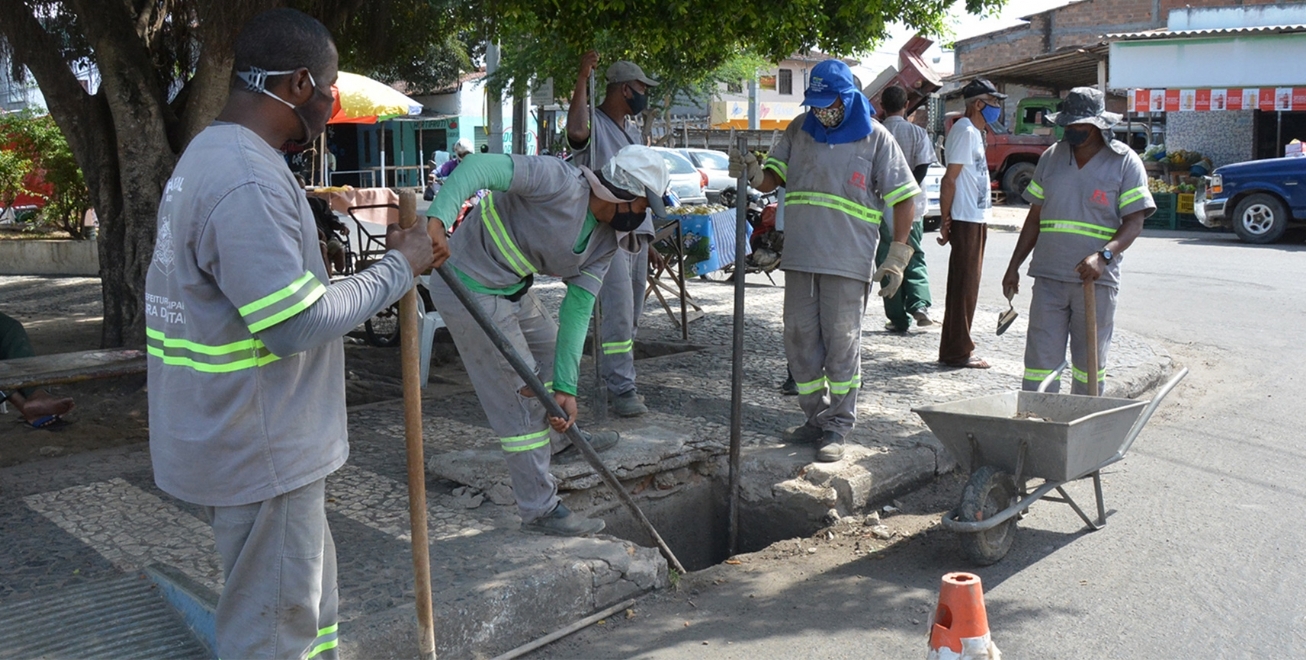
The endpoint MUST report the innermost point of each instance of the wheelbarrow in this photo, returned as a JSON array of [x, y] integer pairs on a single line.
[[1005, 440]]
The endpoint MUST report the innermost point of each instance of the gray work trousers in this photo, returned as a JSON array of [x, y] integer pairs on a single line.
[[279, 561], [518, 420], [1056, 314], [621, 301], [823, 342]]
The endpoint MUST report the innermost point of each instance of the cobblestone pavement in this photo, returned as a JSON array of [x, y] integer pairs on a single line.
[[98, 515]]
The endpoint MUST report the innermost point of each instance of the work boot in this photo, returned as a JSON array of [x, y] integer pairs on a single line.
[[601, 441], [629, 405], [830, 447], [561, 521], [790, 387], [803, 435], [923, 319]]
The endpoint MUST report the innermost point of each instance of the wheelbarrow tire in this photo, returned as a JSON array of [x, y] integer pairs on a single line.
[[989, 491]]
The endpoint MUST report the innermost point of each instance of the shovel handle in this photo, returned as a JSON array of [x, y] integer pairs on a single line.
[[1090, 334]]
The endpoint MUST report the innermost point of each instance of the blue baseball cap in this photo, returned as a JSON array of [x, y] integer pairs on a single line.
[[828, 81]]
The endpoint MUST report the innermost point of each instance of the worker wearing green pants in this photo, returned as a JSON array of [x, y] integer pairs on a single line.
[[912, 300]]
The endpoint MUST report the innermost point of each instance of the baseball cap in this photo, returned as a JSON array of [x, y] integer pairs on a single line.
[[626, 71], [635, 171], [827, 82], [980, 87]]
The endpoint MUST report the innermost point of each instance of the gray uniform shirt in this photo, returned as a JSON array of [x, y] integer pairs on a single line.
[[1082, 208], [916, 148], [237, 253], [597, 152], [836, 196], [534, 227]]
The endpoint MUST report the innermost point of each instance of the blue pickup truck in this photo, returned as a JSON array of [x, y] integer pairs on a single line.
[[1259, 199]]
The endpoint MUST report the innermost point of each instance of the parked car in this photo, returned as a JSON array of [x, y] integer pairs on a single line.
[[1259, 199], [931, 185], [686, 181], [715, 166]]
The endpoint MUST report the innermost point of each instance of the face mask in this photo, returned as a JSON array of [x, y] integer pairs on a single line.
[[991, 113], [637, 101], [627, 220], [256, 81], [1076, 137], [829, 117]]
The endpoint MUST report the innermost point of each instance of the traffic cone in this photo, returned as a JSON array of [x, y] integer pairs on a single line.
[[959, 629]]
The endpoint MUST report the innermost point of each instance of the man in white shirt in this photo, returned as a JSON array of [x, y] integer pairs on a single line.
[[964, 204]]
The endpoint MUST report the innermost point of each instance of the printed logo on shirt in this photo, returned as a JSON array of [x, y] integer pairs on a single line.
[[163, 251], [858, 179], [1100, 198]]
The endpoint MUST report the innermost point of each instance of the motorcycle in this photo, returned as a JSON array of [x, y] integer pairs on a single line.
[[767, 243]]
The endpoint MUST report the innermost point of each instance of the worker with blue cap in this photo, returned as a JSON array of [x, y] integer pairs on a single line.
[[842, 173]]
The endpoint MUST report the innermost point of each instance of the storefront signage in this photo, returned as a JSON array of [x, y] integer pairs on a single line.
[[1268, 99]]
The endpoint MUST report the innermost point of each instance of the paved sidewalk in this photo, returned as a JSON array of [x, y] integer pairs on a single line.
[[98, 516]]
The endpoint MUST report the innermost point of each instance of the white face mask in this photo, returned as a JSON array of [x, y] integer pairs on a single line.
[[256, 81]]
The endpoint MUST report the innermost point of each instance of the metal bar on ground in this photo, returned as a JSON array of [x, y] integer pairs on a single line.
[[563, 632], [410, 353], [552, 408], [737, 352]]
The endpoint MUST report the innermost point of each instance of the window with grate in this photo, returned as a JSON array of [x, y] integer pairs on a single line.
[[786, 82]]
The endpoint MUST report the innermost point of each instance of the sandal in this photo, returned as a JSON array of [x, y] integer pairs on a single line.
[[973, 363], [43, 422]]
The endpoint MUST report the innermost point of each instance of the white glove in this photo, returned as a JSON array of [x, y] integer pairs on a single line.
[[894, 264], [746, 162]]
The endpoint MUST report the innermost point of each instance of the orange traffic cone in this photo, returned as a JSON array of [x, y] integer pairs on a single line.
[[959, 629]]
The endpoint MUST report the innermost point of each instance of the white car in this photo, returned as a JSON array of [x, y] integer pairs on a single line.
[[716, 166], [931, 185], [686, 181]]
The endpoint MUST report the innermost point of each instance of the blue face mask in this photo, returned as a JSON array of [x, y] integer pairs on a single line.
[[991, 113]]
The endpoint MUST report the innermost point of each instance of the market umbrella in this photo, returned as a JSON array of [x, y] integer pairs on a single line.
[[362, 100]]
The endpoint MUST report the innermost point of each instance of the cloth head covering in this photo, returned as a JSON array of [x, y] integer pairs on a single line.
[[830, 80]]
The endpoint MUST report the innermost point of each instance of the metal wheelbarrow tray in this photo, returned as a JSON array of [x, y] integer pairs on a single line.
[[1006, 439]]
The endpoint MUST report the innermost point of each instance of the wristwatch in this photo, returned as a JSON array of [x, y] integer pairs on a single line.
[[1107, 255]]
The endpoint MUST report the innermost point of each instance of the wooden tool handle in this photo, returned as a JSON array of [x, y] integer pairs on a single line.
[[1090, 335]]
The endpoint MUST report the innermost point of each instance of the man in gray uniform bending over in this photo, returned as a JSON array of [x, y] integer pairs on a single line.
[[243, 331], [542, 216], [622, 297]]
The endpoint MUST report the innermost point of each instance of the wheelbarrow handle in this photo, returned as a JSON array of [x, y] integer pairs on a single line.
[[1147, 414]]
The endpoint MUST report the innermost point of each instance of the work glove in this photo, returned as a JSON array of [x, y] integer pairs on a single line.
[[890, 273], [746, 162]]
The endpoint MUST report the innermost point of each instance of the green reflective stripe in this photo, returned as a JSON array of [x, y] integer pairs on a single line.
[[503, 241], [1080, 228], [906, 192], [834, 202], [616, 347], [1082, 376], [812, 387], [328, 630], [1037, 374], [526, 442], [549, 386], [324, 646], [244, 354], [289, 301], [1132, 196], [846, 386], [779, 166], [1034, 189], [592, 276]]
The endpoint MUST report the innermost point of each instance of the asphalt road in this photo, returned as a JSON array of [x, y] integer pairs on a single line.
[[1203, 553]]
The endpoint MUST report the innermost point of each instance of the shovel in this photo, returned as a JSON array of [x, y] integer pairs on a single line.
[[1005, 319], [1090, 336]]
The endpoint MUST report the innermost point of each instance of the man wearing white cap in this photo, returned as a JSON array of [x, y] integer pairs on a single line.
[[542, 215], [842, 174], [622, 295]]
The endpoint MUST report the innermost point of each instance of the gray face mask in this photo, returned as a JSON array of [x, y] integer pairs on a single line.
[[256, 81]]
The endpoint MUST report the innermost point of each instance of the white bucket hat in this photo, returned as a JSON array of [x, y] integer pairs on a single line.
[[639, 171]]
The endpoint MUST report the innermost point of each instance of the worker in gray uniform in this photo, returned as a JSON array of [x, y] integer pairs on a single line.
[[541, 216], [622, 297], [1088, 200], [841, 172], [244, 340], [912, 301]]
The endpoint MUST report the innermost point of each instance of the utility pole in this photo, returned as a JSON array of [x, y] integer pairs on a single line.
[[520, 104], [495, 137], [754, 110]]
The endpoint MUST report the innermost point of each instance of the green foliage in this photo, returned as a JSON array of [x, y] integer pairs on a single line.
[[38, 142], [14, 167]]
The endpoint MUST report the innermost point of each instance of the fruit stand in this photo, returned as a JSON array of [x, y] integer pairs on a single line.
[[1172, 180]]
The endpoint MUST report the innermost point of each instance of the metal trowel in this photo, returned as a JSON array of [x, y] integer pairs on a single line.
[[1005, 319]]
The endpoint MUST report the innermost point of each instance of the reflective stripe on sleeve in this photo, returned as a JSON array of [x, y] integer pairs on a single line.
[[526, 442], [1131, 196], [618, 347], [1034, 189], [1073, 227], [499, 234], [906, 192], [866, 213], [281, 305], [779, 166], [244, 354], [812, 387]]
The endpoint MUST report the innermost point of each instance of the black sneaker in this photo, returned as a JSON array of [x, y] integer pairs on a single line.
[[789, 388], [803, 435], [601, 441], [561, 521], [629, 404], [830, 447]]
